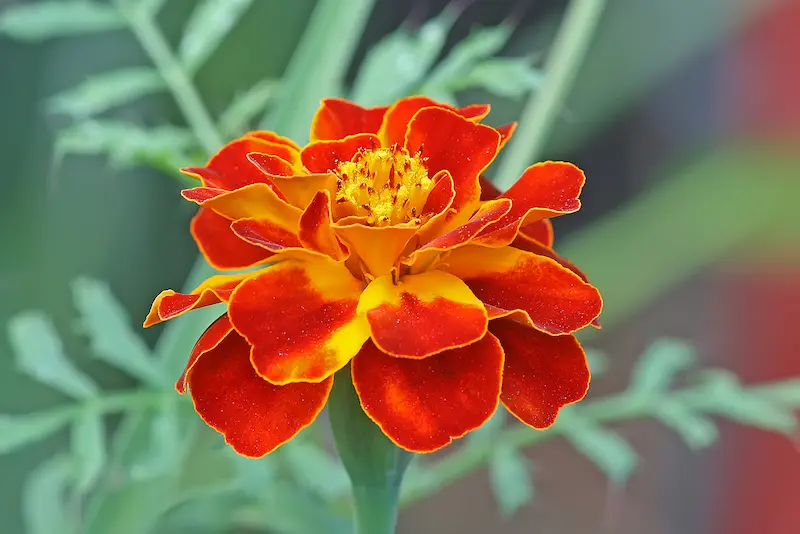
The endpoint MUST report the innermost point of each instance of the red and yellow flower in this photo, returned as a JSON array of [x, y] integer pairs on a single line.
[[382, 247]]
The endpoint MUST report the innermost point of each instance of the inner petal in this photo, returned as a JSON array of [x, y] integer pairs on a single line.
[[388, 186]]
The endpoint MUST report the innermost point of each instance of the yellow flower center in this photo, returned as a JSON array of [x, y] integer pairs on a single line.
[[387, 185]]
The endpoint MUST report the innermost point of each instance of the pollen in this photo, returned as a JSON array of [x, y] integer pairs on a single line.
[[388, 186]]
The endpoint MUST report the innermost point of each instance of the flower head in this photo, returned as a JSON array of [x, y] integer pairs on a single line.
[[383, 247]]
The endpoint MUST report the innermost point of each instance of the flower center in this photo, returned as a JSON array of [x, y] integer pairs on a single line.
[[386, 185]]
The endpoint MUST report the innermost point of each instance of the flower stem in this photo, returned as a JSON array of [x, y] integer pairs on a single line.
[[538, 117], [375, 464]]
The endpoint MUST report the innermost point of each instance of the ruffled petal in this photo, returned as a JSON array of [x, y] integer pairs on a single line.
[[170, 304], [396, 119], [422, 405], [506, 131], [252, 201], [488, 190], [230, 169], [300, 319], [545, 190], [255, 417], [450, 142], [541, 231], [542, 373], [422, 314], [489, 212], [551, 298], [213, 336], [436, 210], [325, 156], [315, 227], [300, 190], [379, 247], [272, 137], [221, 248], [267, 234], [337, 118]]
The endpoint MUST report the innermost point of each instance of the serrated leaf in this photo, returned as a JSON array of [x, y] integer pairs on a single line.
[[404, 57], [504, 77], [88, 449], [19, 430], [478, 45], [246, 107], [44, 495], [36, 21], [107, 324], [105, 91], [749, 409], [606, 449], [127, 144], [163, 445], [785, 392], [133, 508], [207, 27], [40, 354], [657, 367], [314, 469], [696, 430], [510, 479]]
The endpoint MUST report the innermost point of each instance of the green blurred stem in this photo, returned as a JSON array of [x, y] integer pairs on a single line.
[[180, 84], [375, 465], [543, 107], [319, 64]]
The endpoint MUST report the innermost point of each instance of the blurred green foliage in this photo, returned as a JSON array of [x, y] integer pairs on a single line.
[[138, 460]]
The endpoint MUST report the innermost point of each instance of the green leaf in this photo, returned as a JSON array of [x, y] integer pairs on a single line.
[[287, 509], [162, 449], [657, 367], [105, 91], [504, 77], [785, 392], [404, 57], [107, 324], [478, 45], [44, 506], [126, 144], [19, 430], [240, 114], [313, 468], [88, 449], [510, 479], [254, 475], [39, 354], [697, 431], [207, 27], [612, 454], [133, 508], [36, 21]]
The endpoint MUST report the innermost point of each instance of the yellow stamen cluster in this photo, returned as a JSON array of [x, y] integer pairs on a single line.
[[387, 185]]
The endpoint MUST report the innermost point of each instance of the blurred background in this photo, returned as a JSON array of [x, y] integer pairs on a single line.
[[685, 116]]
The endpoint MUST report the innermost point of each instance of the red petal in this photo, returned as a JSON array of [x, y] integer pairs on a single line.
[[272, 137], [255, 417], [541, 231], [422, 315], [488, 213], [395, 121], [555, 299], [169, 304], [545, 190], [325, 156], [506, 131], [300, 319], [230, 169], [337, 118], [251, 201], [422, 405], [266, 234], [220, 246], [270, 165], [488, 190], [450, 142], [213, 336], [542, 373], [315, 227]]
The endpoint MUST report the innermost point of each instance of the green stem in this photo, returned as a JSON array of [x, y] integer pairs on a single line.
[[319, 64], [563, 63], [180, 84], [375, 465]]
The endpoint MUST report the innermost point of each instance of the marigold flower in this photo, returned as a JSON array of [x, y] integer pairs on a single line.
[[390, 252]]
